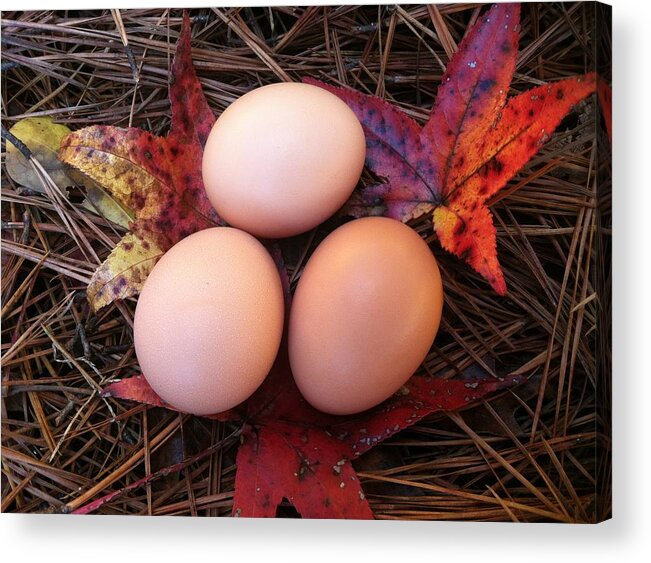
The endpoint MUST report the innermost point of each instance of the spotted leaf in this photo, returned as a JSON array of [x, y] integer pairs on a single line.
[[159, 178], [421, 396], [303, 465], [473, 143], [124, 272]]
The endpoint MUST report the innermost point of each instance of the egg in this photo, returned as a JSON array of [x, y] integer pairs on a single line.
[[365, 313], [282, 159], [209, 320]]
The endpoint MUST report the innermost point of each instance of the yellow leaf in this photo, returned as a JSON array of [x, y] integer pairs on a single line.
[[42, 137], [98, 201], [124, 272]]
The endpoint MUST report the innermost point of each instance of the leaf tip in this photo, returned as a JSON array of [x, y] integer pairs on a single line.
[[499, 285], [185, 25]]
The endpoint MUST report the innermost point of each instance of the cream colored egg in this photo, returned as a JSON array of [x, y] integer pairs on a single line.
[[209, 320], [282, 159], [364, 315]]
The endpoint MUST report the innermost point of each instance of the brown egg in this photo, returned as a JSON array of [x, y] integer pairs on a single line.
[[364, 315], [282, 159], [208, 321]]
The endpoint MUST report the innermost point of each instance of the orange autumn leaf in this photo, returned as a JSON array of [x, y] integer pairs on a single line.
[[474, 142], [158, 177]]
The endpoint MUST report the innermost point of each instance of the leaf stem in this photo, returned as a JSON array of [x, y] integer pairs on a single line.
[[22, 147]]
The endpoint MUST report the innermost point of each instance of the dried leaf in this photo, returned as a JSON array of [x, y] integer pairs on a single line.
[[158, 177], [42, 137], [470, 147], [98, 201], [124, 272]]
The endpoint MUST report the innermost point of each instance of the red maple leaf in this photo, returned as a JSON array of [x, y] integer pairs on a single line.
[[473, 143], [291, 450]]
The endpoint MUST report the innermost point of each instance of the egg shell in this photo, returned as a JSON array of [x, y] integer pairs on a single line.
[[209, 320], [282, 159], [364, 315]]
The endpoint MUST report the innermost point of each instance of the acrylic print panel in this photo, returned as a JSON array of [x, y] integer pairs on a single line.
[[487, 132]]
